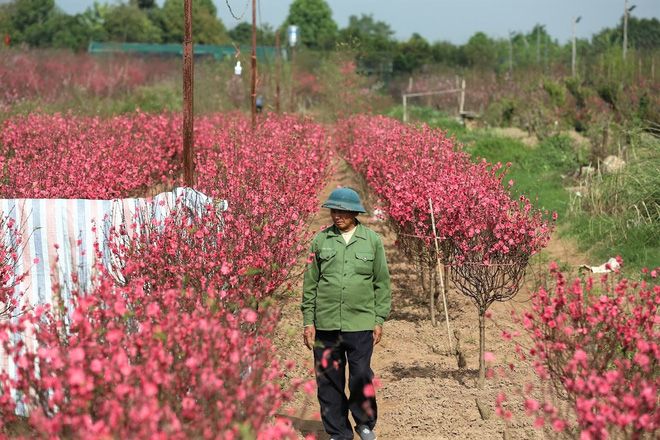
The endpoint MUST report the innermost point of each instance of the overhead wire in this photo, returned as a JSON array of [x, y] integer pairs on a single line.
[[231, 11]]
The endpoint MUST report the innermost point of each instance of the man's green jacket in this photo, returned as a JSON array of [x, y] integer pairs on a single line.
[[347, 286]]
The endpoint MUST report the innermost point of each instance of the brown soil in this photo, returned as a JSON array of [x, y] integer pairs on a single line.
[[423, 393]]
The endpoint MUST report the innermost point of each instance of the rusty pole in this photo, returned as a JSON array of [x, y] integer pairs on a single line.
[[188, 163], [278, 68], [254, 64]]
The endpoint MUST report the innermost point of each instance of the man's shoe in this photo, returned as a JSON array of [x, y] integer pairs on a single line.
[[365, 433]]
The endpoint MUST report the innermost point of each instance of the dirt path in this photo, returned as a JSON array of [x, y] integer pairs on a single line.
[[423, 393]]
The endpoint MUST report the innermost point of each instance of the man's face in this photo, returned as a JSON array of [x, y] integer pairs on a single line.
[[344, 220]]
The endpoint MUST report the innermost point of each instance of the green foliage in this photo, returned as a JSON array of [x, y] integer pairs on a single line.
[[575, 88], [314, 18], [366, 28], [481, 51], [144, 4], [28, 21], [130, 23], [643, 34], [412, 54], [372, 42], [71, 31], [555, 91], [208, 29], [609, 92], [501, 113], [242, 34], [444, 52]]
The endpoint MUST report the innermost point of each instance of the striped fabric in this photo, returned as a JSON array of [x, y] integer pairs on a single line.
[[59, 236]]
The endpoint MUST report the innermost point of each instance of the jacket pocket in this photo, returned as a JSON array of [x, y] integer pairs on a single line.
[[326, 257], [365, 263]]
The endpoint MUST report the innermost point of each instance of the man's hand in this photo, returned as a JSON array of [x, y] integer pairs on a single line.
[[309, 335], [378, 333]]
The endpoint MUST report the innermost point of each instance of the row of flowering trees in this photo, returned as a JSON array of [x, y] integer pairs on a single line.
[[484, 235], [593, 343], [52, 76], [61, 156], [182, 348]]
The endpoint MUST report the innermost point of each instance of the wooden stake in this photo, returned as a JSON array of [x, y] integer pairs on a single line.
[[441, 272], [462, 106], [188, 122], [405, 108]]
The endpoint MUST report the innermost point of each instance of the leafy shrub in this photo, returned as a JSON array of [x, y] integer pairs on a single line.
[[555, 91]]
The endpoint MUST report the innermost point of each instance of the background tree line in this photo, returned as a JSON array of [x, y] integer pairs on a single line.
[[39, 23]]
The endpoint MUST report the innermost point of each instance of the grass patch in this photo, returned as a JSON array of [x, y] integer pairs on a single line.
[[619, 213], [160, 97]]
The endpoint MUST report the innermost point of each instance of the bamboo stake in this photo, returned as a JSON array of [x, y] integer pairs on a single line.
[[441, 272]]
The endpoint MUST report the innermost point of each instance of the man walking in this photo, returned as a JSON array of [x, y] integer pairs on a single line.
[[346, 299]]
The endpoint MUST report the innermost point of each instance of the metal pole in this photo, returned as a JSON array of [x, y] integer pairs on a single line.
[[278, 70], [574, 51], [188, 121], [625, 29], [441, 272], [254, 64]]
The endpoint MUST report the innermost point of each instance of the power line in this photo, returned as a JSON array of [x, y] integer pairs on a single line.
[[231, 11]]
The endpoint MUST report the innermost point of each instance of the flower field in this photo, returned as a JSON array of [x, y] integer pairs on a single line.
[[184, 347], [193, 316], [63, 75]]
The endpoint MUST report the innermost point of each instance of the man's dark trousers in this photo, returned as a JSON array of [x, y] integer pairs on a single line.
[[331, 352]]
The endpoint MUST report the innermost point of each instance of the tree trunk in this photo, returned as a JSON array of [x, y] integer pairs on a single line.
[[482, 348], [422, 277]]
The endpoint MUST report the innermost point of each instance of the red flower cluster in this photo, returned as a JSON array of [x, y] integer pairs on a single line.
[[182, 348], [474, 212], [43, 156], [599, 344]]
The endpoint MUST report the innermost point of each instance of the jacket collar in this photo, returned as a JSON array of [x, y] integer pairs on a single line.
[[360, 231]]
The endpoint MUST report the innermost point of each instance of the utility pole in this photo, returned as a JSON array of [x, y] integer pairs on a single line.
[[574, 53], [254, 64], [538, 45], [626, 10], [511, 34], [278, 70], [188, 122]]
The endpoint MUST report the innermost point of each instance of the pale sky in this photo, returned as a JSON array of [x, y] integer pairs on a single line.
[[454, 20]]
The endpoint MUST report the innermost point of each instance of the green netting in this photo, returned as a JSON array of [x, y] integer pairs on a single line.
[[264, 53]]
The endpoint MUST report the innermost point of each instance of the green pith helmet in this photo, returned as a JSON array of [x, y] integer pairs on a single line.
[[344, 199]]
